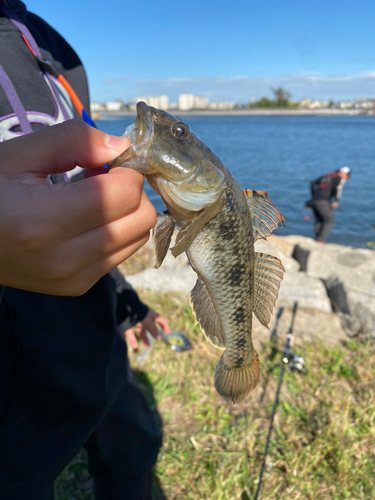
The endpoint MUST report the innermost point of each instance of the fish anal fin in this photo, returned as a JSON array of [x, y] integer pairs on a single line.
[[265, 216], [162, 234], [206, 315], [190, 231], [268, 274]]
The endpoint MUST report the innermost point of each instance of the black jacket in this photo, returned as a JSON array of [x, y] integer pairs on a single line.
[[327, 187]]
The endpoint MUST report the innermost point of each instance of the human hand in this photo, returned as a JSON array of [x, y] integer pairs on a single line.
[[148, 323], [335, 204], [60, 239]]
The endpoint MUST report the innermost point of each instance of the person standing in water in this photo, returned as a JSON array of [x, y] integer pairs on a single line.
[[325, 193]]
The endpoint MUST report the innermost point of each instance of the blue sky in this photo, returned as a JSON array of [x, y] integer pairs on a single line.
[[231, 51]]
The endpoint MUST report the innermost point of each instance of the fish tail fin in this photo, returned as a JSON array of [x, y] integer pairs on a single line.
[[234, 384]]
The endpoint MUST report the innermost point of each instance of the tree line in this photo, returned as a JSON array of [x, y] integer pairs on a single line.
[[281, 100]]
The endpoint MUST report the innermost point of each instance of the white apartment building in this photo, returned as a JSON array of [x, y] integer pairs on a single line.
[[114, 105], [95, 107], [190, 101], [221, 105], [156, 101]]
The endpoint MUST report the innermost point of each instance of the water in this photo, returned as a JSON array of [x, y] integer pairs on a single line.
[[282, 154]]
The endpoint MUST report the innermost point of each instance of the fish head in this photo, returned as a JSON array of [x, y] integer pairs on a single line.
[[173, 159]]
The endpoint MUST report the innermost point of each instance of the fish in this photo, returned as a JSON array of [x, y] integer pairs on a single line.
[[218, 224]]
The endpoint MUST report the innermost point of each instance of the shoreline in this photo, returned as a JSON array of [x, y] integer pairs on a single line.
[[249, 112]]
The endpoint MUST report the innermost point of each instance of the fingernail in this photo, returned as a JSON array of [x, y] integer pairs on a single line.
[[114, 142]]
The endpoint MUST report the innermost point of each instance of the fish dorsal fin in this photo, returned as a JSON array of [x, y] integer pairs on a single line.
[[206, 315], [162, 234], [268, 274], [264, 215]]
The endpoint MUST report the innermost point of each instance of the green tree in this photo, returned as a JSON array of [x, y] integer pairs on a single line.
[[265, 103], [282, 97]]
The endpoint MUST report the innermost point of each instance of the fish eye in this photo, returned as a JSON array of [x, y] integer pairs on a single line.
[[180, 130]]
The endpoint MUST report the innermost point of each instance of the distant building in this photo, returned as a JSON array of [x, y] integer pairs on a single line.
[[221, 105], [96, 107], [115, 105], [364, 103], [308, 104], [156, 101], [346, 105], [304, 103], [190, 101]]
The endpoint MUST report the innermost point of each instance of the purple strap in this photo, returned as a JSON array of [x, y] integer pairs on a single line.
[[7, 85], [21, 27], [15, 101]]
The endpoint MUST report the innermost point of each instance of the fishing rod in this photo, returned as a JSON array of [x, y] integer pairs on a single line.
[[296, 363]]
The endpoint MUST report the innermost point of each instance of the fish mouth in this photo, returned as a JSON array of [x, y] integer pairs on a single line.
[[140, 133]]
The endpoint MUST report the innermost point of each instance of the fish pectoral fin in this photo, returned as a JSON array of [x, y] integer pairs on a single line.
[[190, 231], [162, 234], [206, 315], [264, 215], [268, 274]]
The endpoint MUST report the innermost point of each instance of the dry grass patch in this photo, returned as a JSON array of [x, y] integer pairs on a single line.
[[322, 445]]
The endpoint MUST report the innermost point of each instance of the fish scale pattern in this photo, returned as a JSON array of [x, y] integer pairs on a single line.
[[223, 256]]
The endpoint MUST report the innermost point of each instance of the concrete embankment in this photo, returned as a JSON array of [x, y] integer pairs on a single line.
[[333, 286]]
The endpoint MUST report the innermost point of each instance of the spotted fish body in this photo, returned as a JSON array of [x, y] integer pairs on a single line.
[[218, 224], [221, 261]]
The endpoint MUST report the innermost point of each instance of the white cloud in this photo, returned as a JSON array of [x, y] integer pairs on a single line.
[[116, 79], [242, 88]]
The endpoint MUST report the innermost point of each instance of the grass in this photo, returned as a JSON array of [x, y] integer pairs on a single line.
[[322, 446]]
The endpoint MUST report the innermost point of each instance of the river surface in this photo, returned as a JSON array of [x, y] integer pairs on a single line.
[[282, 154]]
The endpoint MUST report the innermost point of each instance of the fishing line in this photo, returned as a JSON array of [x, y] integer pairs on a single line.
[[287, 356]]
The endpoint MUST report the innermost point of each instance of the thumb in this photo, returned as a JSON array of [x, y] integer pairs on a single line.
[[58, 149]]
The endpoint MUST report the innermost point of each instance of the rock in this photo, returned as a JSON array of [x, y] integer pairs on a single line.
[[309, 325], [288, 243], [285, 243], [318, 277], [164, 280], [354, 267], [272, 248], [175, 274], [361, 319], [307, 291], [349, 277]]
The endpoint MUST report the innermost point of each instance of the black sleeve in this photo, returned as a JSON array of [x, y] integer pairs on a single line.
[[313, 184], [130, 310], [335, 184]]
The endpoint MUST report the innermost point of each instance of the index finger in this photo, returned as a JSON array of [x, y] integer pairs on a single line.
[[59, 149], [95, 201]]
